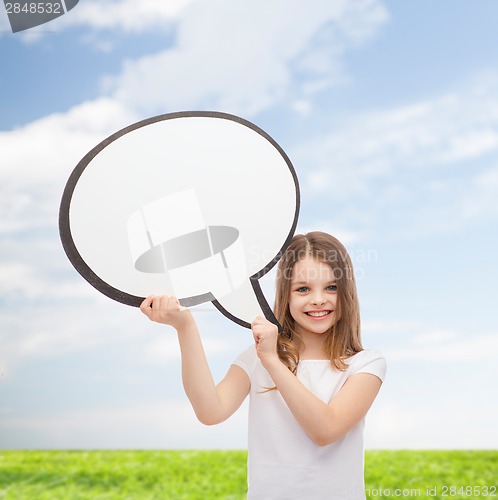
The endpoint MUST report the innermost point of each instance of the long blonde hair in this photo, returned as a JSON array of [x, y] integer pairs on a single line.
[[343, 339]]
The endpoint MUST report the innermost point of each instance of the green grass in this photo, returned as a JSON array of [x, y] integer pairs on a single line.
[[431, 474], [130, 475], [78, 475]]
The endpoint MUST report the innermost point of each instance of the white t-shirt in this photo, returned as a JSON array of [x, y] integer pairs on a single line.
[[283, 461]]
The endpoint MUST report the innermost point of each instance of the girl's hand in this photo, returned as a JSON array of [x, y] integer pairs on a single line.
[[167, 310], [265, 335]]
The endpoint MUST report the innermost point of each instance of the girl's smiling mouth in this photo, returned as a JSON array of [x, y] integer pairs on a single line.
[[318, 314]]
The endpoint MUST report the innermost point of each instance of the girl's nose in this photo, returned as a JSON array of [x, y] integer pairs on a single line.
[[318, 299]]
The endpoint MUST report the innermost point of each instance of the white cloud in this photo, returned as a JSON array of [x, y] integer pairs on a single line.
[[447, 349], [435, 337], [481, 199], [94, 325], [302, 106], [58, 328], [61, 328], [423, 168], [427, 397], [402, 341], [437, 133], [38, 158], [359, 20], [53, 145], [162, 425], [126, 15], [425, 423], [219, 63], [32, 283], [391, 327]]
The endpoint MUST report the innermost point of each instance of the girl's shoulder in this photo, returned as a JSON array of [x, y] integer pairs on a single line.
[[365, 354], [247, 359], [368, 361]]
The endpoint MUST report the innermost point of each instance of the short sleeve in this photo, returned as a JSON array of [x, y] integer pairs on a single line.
[[369, 361], [246, 360]]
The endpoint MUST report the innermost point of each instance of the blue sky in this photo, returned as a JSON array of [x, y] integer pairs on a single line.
[[389, 113]]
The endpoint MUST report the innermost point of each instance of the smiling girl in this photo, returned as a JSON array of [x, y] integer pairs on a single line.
[[310, 387]]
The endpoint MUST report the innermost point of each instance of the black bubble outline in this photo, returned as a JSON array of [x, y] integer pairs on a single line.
[[132, 300]]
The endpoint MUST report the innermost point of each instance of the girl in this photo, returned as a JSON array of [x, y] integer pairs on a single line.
[[310, 387]]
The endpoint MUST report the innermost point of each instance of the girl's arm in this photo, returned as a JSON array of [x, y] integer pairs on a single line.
[[324, 423], [212, 403]]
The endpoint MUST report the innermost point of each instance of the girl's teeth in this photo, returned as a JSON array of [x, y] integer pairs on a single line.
[[322, 313]]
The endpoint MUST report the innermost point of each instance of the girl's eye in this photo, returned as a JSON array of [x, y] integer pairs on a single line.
[[332, 288], [302, 289]]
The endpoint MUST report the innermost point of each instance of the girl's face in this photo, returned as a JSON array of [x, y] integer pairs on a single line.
[[313, 296]]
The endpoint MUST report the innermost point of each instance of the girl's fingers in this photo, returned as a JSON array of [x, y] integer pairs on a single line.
[[258, 321], [162, 303], [162, 309], [156, 303], [262, 325], [146, 304]]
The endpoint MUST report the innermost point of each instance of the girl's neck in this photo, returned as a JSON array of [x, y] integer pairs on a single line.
[[313, 346]]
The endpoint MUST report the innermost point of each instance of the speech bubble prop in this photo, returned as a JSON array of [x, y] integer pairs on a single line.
[[199, 205]]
